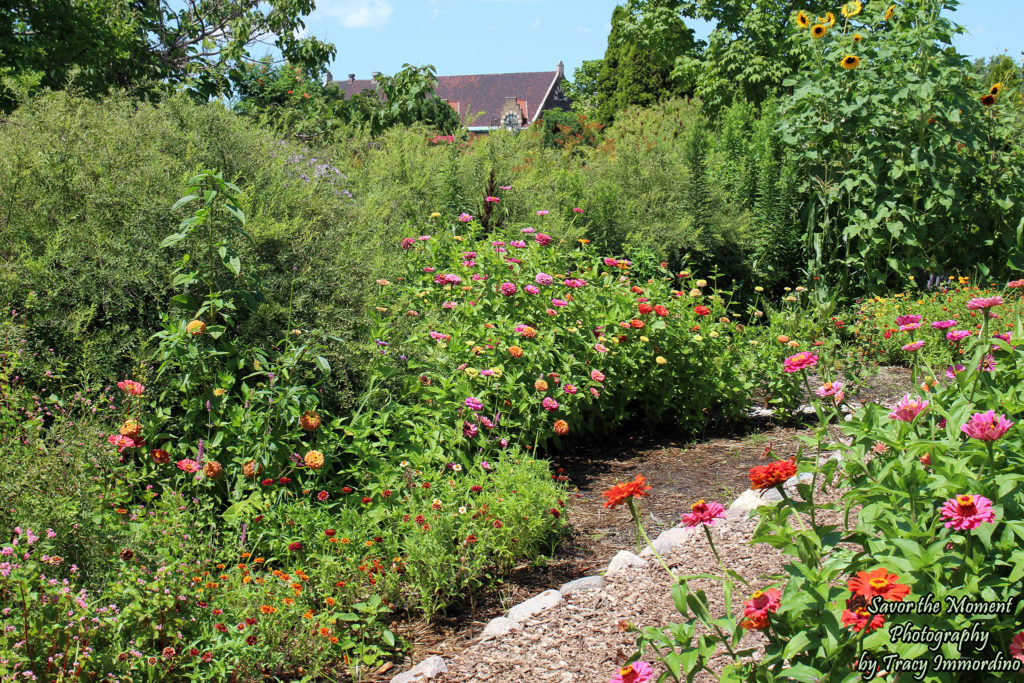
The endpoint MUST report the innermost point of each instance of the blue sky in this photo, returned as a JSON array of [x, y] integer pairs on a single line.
[[493, 36]]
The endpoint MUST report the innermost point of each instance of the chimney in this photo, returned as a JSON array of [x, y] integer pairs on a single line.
[[351, 77], [328, 78], [375, 74], [561, 69]]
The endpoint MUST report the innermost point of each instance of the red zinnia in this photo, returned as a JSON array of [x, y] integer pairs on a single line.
[[645, 309], [661, 311], [702, 310], [878, 582], [773, 474], [295, 545], [636, 324], [620, 493]]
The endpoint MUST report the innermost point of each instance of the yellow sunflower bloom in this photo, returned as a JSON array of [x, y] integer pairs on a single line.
[[995, 89], [829, 20], [850, 62], [890, 13], [802, 20], [852, 8], [988, 99], [857, 37], [818, 31]]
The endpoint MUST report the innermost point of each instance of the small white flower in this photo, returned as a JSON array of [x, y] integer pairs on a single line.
[[462, 510], [404, 463], [457, 467]]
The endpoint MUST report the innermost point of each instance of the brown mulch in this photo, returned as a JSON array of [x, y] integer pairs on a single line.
[[551, 649]]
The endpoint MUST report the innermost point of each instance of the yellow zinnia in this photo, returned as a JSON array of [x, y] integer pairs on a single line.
[[818, 31], [850, 62], [852, 8], [802, 20]]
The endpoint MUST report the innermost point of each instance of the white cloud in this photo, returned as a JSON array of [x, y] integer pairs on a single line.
[[359, 13], [582, 29]]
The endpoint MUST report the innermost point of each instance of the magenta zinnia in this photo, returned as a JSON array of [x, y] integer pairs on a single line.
[[507, 289], [762, 603], [829, 389], [703, 513], [957, 335], [1017, 646], [967, 512], [907, 320], [908, 409], [913, 346], [986, 426], [637, 672], [188, 465], [800, 361], [943, 324]]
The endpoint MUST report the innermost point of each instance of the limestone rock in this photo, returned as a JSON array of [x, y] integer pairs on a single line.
[[429, 668], [500, 626], [535, 605], [625, 560], [587, 583]]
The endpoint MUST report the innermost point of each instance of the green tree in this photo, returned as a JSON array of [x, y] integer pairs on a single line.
[[582, 89], [638, 66], [403, 99], [145, 46]]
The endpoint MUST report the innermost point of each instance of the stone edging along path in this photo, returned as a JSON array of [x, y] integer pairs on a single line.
[[624, 561]]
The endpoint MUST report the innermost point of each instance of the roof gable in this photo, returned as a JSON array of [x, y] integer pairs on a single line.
[[482, 94]]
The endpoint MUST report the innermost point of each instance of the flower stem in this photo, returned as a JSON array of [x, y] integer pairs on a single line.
[[640, 530]]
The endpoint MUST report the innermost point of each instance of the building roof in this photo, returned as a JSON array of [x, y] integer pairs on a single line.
[[483, 94]]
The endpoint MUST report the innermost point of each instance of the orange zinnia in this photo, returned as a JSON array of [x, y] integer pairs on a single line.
[[774, 474], [620, 493], [878, 582]]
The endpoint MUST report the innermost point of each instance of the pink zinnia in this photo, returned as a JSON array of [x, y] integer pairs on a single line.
[[986, 426], [909, 327], [532, 289], [447, 279], [967, 512], [908, 409], [913, 346], [570, 389], [407, 243], [610, 262], [322, 496], [450, 305], [542, 239], [464, 218], [1015, 284], [703, 513], [131, 387], [800, 361], [423, 238], [907, 320], [474, 404], [469, 430], [957, 335], [492, 200], [561, 303], [1017, 643], [597, 375], [543, 212], [943, 324], [637, 672], [600, 348], [549, 404], [439, 336], [507, 288], [982, 303], [953, 370], [762, 603], [577, 209], [595, 393], [122, 442], [575, 283], [543, 279], [188, 465], [518, 244], [829, 389]]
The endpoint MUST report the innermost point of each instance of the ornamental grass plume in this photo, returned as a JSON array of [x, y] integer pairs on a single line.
[[703, 512], [986, 426], [314, 460], [908, 409], [966, 512], [622, 492], [637, 672], [800, 361]]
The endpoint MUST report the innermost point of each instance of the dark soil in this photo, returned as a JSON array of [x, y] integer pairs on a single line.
[[680, 473]]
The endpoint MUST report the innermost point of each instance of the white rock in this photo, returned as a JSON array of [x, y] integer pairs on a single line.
[[587, 583], [535, 605], [429, 668], [802, 478], [668, 539], [624, 560], [751, 499], [500, 626]]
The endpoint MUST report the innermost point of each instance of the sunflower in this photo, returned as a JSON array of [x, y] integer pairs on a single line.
[[829, 20], [995, 89], [857, 37], [818, 31], [850, 62], [802, 20], [890, 13], [988, 99], [852, 8]]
